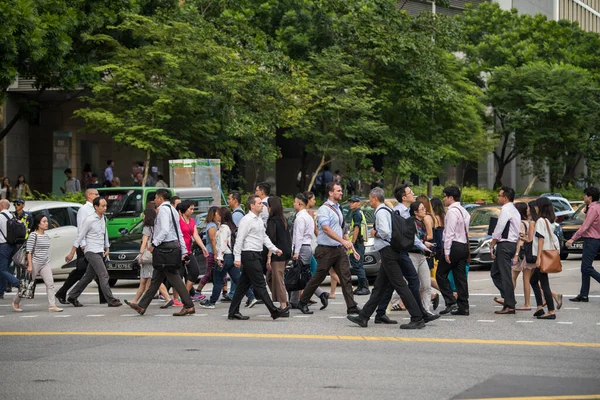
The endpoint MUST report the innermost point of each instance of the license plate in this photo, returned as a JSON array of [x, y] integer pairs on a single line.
[[119, 266], [577, 246]]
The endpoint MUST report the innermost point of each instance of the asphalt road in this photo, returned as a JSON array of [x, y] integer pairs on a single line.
[[95, 352]]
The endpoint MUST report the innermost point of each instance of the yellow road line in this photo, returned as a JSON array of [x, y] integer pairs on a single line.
[[568, 397], [308, 337]]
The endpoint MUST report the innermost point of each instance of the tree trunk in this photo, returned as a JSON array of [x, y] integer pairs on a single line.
[[314, 177], [430, 188], [530, 185], [147, 168], [11, 124], [499, 173]]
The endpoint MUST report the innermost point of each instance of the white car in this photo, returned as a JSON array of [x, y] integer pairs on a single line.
[[62, 229]]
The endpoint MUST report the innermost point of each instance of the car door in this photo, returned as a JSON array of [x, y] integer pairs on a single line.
[[63, 232]]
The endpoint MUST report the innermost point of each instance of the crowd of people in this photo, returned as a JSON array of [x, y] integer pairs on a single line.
[[253, 247]]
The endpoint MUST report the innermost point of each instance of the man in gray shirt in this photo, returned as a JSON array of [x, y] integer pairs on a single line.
[[93, 234], [167, 235], [390, 274]]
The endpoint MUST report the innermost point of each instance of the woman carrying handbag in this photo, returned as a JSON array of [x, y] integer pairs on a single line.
[[38, 261], [545, 245]]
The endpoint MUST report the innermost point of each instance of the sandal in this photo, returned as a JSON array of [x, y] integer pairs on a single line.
[[398, 307]]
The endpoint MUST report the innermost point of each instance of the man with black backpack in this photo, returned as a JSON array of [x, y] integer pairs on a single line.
[[11, 232], [390, 275]]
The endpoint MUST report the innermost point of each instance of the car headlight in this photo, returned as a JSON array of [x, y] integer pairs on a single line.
[[369, 260]]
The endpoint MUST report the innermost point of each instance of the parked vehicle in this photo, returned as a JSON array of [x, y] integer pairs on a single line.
[[479, 240], [569, 227], [123, 254], [62, 230], [562, 207], [125, 205]]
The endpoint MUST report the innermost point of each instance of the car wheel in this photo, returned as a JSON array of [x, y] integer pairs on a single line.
[[112, 282], [563, 256]]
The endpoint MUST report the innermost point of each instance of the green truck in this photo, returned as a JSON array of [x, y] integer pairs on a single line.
[[126, 205]]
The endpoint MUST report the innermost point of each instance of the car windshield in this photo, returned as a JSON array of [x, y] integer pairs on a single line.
[[579, 214], [123, 202], [481, 216], [560, 205]]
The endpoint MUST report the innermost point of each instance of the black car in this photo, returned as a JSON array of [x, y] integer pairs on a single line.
[[124, 251], [569, 227]]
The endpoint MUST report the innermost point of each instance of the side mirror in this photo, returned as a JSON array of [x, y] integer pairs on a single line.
[[123, 231]]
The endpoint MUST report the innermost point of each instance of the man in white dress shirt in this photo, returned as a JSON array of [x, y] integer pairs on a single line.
[[506, 236], [247, 253], [81, 263], [95, 239]]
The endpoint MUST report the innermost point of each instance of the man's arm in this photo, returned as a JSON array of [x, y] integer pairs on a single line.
[[299, 227], [590, 219], [239, 241], [449, 231], [502, 220]]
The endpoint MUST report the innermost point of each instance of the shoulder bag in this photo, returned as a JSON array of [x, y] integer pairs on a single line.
[[146, 257], [167, 256], [26, 279], [550, 259], [20, 257]]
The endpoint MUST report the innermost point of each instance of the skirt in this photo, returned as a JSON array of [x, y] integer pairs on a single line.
[[146, 271]]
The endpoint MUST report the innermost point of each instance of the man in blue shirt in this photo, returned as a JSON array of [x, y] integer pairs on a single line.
[[332, 245]]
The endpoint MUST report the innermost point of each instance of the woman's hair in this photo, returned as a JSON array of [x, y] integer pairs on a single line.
[[19, 177], [302, 197], [522, 209], [425, 200], [546, 208], [276, 208], [210, 215], [414, 207], [36, 221], [438, 208], [3, 179], [87, 168], [149, 216], [184, 206], [534, 214], [309, 196], [226, 217]]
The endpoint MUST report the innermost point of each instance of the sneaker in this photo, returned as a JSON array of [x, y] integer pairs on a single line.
[[208, 304], [251, 303], [226, 299], [177, 303], [198, 297], [16, 307], [55, 309]]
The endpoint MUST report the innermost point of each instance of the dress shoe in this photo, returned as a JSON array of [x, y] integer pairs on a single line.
[[311, 301], [293, 306], [449, 309], [549, 316], [116, 303], [185, 311], [237, 316], [353, 310], [559, 301], [413, 325], [324, 300], [435, 302], [505, 310], [75, 302], [580, 299], [538, 313], [136, 307], [61, 299], [428, 317], [304, 308], [384, 319], [358, 320], [279, 312], [285, 314], [166, 305], [459, 312]]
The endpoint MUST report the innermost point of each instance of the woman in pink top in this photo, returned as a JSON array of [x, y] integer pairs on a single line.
[[189, 232]]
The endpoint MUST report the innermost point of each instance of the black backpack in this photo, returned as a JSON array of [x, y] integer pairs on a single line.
[[15, 230], [403, 231]]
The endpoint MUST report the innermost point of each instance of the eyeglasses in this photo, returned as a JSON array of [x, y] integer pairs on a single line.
[[18, 203]]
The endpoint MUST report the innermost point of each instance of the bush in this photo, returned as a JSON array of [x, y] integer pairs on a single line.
[[470, 194], [77, 197]]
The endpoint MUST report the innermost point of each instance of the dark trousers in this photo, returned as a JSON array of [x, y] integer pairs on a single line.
[[414, 285], [357, 267], [75, 275], [536, 279], [459, 253], [501, 272], [590, 249], [158, 276], [7, 251], [331, 257], [252, 274], [390, 278]]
